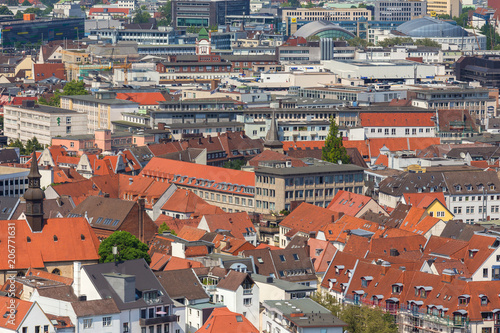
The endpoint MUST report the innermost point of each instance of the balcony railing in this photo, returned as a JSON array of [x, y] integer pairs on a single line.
[[247, 291], [157, 320]]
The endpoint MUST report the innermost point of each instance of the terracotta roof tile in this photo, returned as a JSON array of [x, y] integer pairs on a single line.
[[237, 223], [224, 321], [388, 119], [143, 98]]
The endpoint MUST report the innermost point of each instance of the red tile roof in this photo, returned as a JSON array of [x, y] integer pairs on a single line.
[[167, 169], [191, 233], [396, 119], [175, 263], [124, 11], [423, 200], [269, 155], [47, 70], [236, 223], [49, 276], [143, 98], [224, 321], [62, 239], [186, 202], [309, 218], [22, 309], [348, 203]]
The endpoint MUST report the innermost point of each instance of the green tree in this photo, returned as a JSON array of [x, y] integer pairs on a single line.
[[5, 11], [234, 164], [492, 37], [164, 227], [359, 42], [427, 42], [388, 42], [33, 145], [18, 144], [141, 15], [71, 88], [129, 248], [334, 150], [165, 14], [26, 3], [12, 3]]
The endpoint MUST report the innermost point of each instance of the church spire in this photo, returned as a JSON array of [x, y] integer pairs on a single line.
[[272, 141], [34, 197]]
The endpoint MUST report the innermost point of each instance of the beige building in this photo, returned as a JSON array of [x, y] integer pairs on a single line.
[[292, 16], [444, 7], [278, 185], [101, 109], [43, 122]]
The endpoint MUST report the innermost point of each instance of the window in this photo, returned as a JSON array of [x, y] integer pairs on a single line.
[[106, 321], [87, 323], [295, 256], [125, 327], [485, 272], [247, 301], [282, 258]]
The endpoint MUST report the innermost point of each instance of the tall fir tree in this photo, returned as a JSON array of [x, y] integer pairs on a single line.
[[334, 150]]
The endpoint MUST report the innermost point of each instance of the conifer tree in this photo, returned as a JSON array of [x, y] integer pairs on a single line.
[[334, 150]]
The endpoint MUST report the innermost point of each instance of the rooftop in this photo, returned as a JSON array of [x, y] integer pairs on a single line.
[[45, 109]]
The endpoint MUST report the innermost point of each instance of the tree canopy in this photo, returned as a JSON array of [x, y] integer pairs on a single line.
[[334, 150], [165, 14], [360, 319], [71, 88], [26, 3], [4, 10], [234, 164], [129, 248], [141, 15], [31, 146], [359, 42], [164, 227], [492, 37]]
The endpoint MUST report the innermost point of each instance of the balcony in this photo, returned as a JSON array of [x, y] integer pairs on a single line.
[[157, 320], [247, 291]]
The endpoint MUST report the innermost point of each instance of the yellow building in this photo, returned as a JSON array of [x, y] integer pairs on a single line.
[[434, 204], [444, 7]]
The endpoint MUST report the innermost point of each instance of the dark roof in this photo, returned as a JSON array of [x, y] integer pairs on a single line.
[[317, 153], [62, 293], [104, 213], [233, 280], [45, 109], [95, 307], [8, 155], [144, 280], [459, 230], [293, 265], [181, 283], [52, 208], [477, 153], [7, 205]]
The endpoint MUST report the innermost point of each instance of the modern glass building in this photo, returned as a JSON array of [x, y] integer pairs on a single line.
[[205, 13], [323, 29], [18, 32]]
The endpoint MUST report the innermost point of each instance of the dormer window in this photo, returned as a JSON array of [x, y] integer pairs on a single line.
[[484, 299], [365, 280], [458, 188], [338, 269], [463, 299], [397, 288], [472, 253], [468, 187]]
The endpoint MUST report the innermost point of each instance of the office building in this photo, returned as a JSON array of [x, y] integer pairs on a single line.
[[399, 10], [30, 30], [444, 7], [205, 13]]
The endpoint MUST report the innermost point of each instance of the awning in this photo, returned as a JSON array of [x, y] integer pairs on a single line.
[[462, 312], [392, 299]]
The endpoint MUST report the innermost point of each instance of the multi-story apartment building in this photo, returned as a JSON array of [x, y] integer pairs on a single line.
[[278, 184], [13, 182], [43, 122], [399, 10], [205, 13], [398, 125], [100, 110], [471, 195], [479, 101]]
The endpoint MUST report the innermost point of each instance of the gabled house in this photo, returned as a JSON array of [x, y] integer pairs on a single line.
[[239, 224], [354, 204], [240, 294], [23, 316], [293, 265], [143, 302], [222, 320], [271, 288], [434, 204]]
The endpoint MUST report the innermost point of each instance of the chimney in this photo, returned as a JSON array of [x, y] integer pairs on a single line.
[[447, 275], [394, 252], [269, 279], [77, 266], [385, 267], [123, 285], [141, 204], [161, 126]]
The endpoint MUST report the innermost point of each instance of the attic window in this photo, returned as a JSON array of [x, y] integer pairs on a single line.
[[82, 236], [99, 220], [115, 222], [239, 319], [55, 238], [28, 239], [259, 259], [282, 258], [295, 256]]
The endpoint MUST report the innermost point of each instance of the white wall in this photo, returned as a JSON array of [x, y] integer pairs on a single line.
[[35, 317]]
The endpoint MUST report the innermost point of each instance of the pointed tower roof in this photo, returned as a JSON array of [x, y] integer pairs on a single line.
[[34, 173], [203, 34], [272, 137]]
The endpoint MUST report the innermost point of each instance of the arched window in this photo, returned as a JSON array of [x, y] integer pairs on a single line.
[[56, 271]]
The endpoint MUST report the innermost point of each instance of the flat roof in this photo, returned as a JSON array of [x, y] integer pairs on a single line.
[[4, 170], [44, 109], [282, 284], [90, 98], [319, 167]]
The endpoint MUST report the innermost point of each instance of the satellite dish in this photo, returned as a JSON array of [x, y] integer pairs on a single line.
[[462, 155]]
